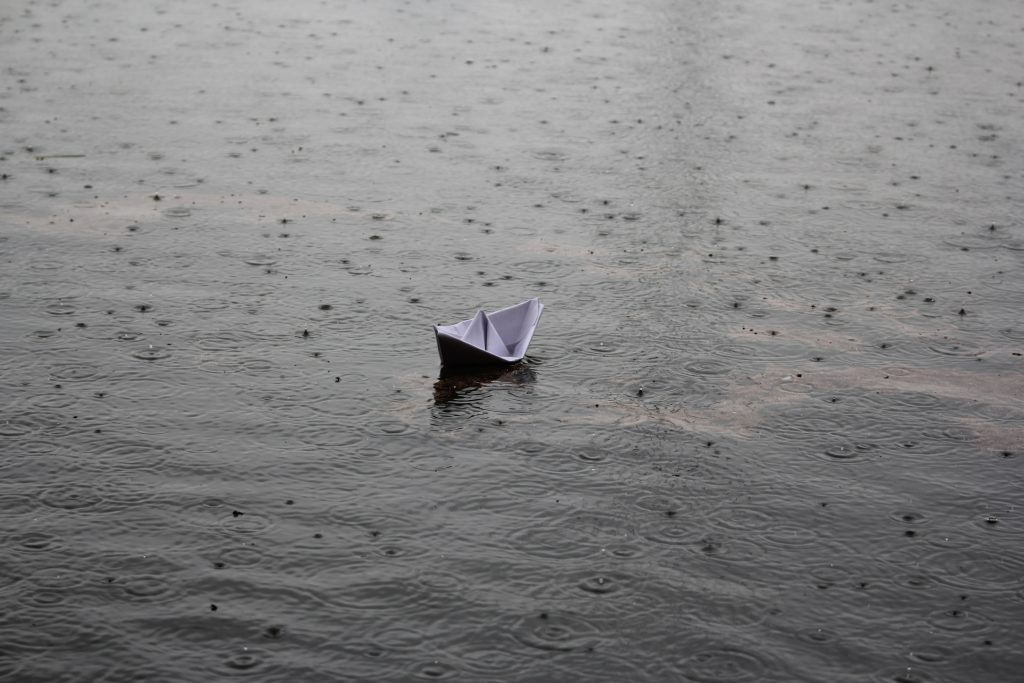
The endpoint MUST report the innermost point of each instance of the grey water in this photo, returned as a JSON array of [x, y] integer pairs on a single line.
[[770, 428]]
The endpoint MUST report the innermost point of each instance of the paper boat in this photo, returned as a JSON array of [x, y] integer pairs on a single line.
[[488, 339]]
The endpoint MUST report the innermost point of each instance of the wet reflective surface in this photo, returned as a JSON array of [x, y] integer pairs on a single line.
[[771, 426]]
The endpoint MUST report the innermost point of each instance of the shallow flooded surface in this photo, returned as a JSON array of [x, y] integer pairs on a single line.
[[771, 427]]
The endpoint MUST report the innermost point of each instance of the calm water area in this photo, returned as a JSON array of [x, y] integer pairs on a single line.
[[770, 427]]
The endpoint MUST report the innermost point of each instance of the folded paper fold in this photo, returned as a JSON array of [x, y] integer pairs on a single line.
[[501, 337]]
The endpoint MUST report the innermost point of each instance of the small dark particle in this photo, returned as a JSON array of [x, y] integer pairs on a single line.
[[962, 312], [991, 520], [910, 532], [325, 307], [213, 608], [305, 333], [640, 391], [273, 632], [670, 513], [142, 308], [218, 565], [157, 198], [289, 502], [718, 220], [337, 379], [375, 237], [735, 304], [80, 325], [236, 513], [929, 300], [773, 258], [318, 535], [282, 221], [543, 615]]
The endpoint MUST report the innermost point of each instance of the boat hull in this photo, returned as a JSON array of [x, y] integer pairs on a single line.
[[458, 356]]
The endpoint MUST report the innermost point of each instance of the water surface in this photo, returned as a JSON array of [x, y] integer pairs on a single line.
[[771, 427]]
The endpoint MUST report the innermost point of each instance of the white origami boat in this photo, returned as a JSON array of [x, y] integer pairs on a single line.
[[488, 339]]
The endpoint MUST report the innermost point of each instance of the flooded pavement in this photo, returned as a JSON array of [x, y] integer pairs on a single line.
[[771, 426]]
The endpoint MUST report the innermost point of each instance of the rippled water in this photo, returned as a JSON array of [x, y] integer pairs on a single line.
[[771, 426]]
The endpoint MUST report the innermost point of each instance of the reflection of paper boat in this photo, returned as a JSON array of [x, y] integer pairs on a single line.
[[497, 338], [462, 384]]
